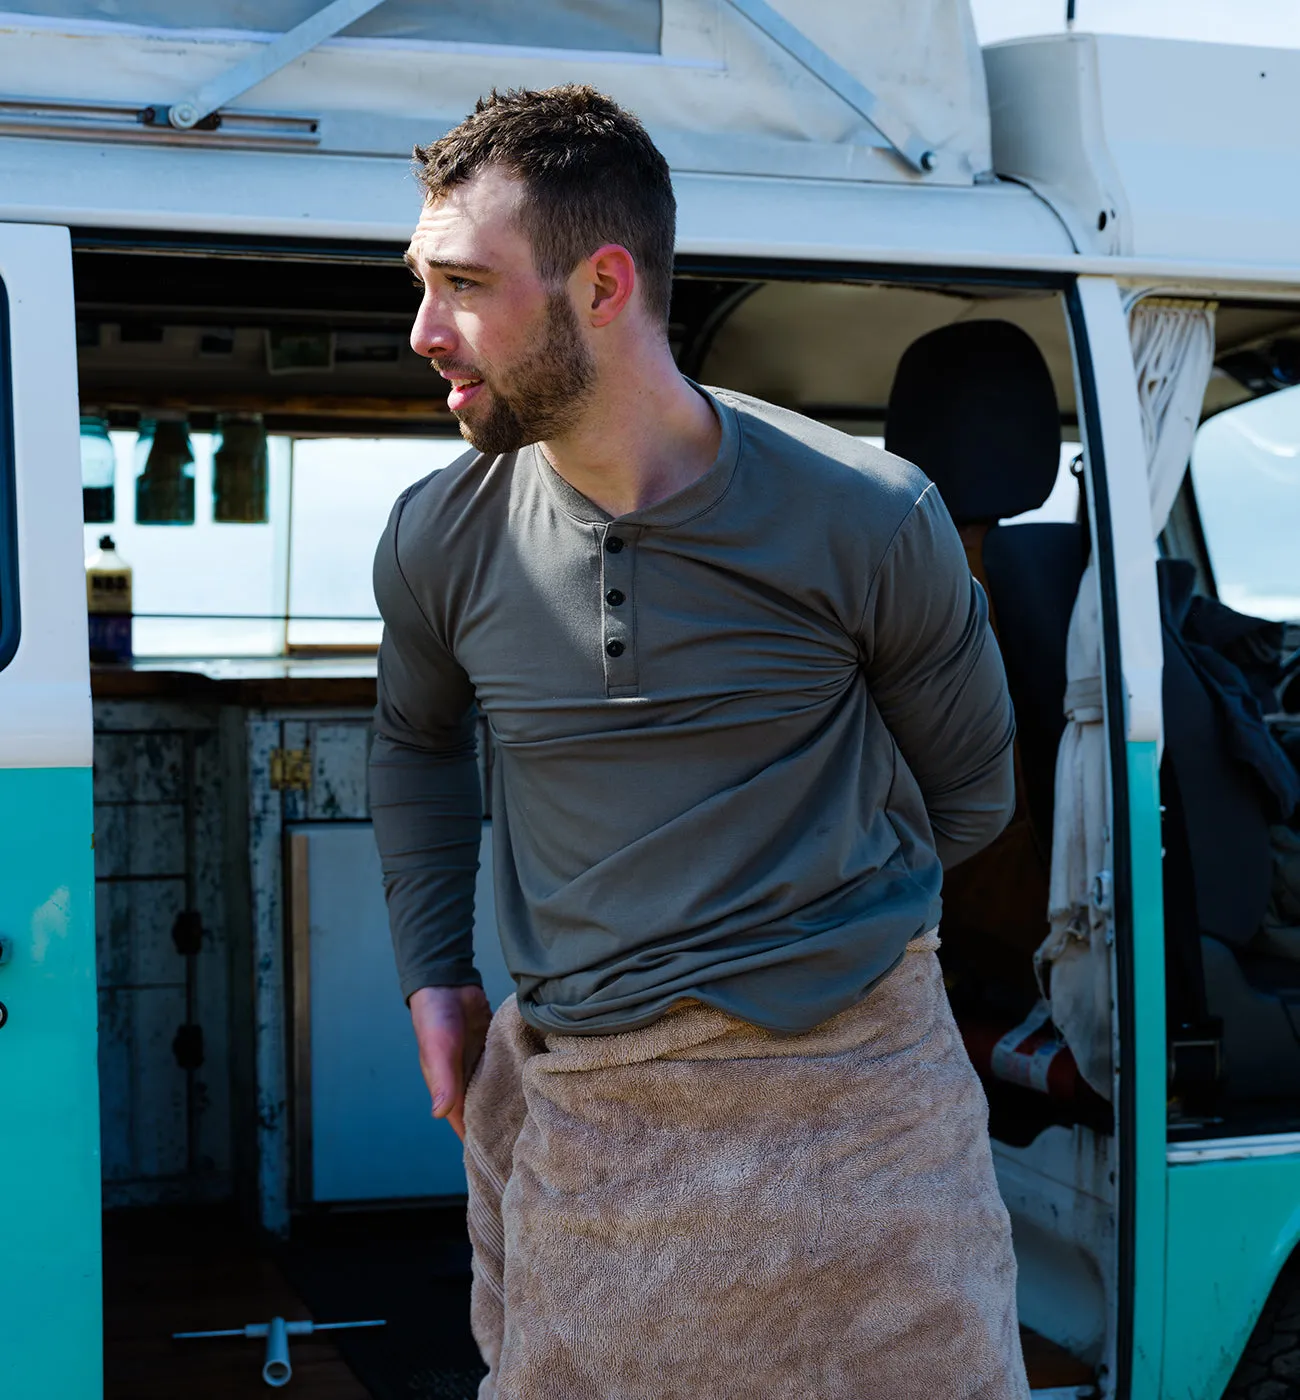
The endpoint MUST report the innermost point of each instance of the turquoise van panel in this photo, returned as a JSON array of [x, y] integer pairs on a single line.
[[1232, 1225], [1146, 1063], [50, 1281]]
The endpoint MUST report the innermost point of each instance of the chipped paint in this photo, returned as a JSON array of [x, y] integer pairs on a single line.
[[165, 1134]]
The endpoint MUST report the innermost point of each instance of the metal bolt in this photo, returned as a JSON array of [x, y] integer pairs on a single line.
[[929, 161]]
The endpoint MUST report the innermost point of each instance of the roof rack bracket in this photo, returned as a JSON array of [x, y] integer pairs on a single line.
[[202, 105], [907, 143]]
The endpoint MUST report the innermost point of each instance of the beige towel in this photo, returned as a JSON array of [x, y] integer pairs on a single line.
[[701, 1210]]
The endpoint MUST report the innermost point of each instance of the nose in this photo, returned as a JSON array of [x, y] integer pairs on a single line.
[[432, 334]]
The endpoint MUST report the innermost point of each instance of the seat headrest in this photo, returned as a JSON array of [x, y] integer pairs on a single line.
[[973, 406]]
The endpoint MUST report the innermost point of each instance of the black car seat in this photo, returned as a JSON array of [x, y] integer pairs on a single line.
[[973, 406]]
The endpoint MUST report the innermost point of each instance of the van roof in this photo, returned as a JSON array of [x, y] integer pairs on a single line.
[[1143, 158]]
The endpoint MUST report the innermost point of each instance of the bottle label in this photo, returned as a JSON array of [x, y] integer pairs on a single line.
[[108, 590]]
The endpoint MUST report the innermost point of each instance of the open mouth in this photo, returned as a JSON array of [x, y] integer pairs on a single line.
[[462, 391]]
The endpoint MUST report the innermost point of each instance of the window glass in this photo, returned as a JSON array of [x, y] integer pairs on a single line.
[[206, 589], [1246, 475], [343, 494], [1062, 505], [301, 580]]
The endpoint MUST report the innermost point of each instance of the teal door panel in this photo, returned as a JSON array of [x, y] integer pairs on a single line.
[[1231, 1227], [49, 1095], [1146, 1065]]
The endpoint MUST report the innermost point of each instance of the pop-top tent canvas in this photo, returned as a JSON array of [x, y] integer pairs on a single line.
[[577, 24], [889, 90]]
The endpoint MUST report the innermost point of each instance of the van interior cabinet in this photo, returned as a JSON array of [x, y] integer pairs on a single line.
[[219, 899]]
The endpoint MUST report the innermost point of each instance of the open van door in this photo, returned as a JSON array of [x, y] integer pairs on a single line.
[[50, 1282]]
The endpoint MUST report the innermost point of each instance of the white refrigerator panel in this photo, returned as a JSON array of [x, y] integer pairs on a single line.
[[371, 1133]]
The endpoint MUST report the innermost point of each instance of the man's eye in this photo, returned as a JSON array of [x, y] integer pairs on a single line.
[[460, 284]]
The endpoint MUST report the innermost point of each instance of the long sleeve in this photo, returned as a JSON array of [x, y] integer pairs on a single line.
[[425, 796], [936, 674]]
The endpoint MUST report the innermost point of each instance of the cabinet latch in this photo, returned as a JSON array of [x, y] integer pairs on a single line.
[[290, 769]]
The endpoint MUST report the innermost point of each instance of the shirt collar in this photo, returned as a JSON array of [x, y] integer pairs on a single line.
[[702, 493]]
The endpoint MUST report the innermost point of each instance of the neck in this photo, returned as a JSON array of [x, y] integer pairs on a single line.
[[648, 436]]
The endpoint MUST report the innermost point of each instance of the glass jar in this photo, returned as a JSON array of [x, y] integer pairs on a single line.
[[239, 476], [98, 467], [164, 465]]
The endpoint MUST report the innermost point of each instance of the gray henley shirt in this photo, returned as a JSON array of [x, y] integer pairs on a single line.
[[737, 733]]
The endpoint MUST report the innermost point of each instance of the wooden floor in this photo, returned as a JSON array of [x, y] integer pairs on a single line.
[[1049, 1365], [168, 1272]]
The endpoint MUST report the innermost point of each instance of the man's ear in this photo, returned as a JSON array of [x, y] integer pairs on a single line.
[[609, 283]]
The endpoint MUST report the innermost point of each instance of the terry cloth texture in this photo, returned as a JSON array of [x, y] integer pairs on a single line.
[[702, 1208]]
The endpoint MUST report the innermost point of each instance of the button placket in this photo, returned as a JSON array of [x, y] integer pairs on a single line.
[[618, 629]]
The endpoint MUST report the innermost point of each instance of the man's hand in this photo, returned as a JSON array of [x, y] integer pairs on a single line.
[[451, 1025]]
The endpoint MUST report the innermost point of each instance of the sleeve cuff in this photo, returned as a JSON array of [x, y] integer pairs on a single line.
[[452, 974]]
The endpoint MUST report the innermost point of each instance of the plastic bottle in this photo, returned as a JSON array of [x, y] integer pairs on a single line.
[[98, 466], [108, 603]]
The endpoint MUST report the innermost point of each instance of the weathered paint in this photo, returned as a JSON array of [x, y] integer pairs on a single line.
[[1232, 1225], [1145, 1061], [165, 1134], [339, 753], [50, 1267], [265, 831]]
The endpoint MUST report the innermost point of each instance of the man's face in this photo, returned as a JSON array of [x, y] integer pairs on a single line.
[[510, 345]]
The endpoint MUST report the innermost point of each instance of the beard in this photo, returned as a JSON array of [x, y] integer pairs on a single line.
[[541, 396]]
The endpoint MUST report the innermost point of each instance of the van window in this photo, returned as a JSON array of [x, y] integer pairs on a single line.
[[9, 615], [1246, 475], [299, 580], [343, 493]]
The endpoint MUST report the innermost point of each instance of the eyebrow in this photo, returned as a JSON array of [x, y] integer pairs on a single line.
[[442, 264]]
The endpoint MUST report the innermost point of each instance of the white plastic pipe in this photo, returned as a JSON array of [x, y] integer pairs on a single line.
[[276, 1369]]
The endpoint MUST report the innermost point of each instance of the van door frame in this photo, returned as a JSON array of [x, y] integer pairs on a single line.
[[1132, 660], [1119, 511], [51, 1282]]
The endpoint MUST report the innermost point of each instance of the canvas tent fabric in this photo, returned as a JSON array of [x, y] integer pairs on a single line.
[[1173, 354], [615, 25], [715, 90]]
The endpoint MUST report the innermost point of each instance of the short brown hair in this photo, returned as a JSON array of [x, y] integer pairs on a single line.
[[590, 172]]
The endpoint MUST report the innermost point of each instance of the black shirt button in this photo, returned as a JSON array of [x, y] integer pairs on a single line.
[[614, 598], [614, 648], [613, 543]]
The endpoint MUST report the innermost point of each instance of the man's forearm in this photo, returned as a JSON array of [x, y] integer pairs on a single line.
[[428, 815], [967, 818]]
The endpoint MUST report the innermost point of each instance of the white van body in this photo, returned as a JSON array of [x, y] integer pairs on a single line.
[[1115, 167]]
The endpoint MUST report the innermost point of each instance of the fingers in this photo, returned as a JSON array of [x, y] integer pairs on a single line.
[[441, 1055], [439, 1026], [450, 1028]]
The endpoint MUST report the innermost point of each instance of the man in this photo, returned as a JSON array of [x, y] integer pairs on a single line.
[[724, 1141]]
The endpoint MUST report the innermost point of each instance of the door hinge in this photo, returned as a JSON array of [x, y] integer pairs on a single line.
[[290, 769]]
